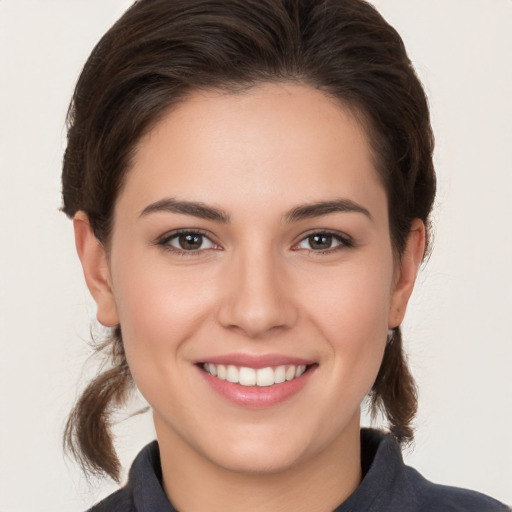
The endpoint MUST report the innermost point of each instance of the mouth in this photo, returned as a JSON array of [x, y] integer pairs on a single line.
[[256, 377], [256, 381]]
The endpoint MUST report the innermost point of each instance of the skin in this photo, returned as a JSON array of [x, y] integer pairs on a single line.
[[256, 286]]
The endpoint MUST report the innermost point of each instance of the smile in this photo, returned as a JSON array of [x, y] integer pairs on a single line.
[[246, 376]]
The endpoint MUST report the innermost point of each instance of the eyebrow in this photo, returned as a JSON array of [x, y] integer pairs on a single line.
[[196, 209], [306, 211], [325, 208]]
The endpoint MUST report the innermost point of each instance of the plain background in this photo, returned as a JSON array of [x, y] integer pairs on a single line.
[[458, 329]]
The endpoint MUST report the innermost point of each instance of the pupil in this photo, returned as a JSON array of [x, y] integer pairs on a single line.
[[320, 241], [190, 242]]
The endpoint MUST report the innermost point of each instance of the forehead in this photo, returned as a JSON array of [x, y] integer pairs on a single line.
[[275, 143]]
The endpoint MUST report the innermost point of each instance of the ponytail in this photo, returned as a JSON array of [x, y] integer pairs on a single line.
[[87, 435], [394, 392]]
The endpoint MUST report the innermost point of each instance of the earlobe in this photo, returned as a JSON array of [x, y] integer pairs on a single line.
[[406, 274], [96, 270]]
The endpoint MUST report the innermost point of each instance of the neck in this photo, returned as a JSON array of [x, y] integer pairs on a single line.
[[319, 484]]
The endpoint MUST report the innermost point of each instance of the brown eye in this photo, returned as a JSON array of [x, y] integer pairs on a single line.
[[189, 241], [328, 242], [320, 241]]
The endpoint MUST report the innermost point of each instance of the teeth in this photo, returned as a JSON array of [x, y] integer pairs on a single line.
[[250, 377], [247, 376], [221, 371], [280, 374], [232, 374], [265, 377]]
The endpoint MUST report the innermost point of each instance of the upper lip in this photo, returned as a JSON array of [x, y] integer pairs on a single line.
[[256, 361]]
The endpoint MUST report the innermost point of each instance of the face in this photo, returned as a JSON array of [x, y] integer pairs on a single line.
[[251, 270]]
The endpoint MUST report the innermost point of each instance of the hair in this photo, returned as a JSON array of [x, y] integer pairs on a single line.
[[159, 52]]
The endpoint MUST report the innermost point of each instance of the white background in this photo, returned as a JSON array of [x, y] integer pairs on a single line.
[[459, 327]]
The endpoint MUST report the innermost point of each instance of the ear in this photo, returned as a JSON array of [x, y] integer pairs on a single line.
[[406, 273], [96, 270]]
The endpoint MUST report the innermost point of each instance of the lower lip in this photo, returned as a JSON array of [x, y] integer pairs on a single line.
[[257, 397]]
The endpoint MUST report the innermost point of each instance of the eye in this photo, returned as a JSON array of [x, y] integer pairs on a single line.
[[187, 241], [324, 242]]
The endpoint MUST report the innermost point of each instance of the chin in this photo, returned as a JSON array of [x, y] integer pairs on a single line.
[[266, 449], [258, 460]]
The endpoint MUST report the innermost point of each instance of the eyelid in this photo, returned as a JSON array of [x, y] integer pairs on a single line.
[[163, 241], [345, 240]]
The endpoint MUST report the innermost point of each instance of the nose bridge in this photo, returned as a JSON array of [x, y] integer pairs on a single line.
[[256, 299]]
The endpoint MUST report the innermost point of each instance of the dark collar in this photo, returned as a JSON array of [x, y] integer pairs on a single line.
[[383, 469]]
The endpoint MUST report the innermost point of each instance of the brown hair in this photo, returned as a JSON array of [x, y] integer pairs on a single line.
[[161, 50]]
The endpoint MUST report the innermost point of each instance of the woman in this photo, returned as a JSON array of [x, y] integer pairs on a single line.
[[250, 185]]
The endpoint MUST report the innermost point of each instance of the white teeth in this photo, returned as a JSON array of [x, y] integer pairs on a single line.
[[247, 376], [265, 377], [250, 377], [290, 373], [221, 372], [232, 374], [280, 374]]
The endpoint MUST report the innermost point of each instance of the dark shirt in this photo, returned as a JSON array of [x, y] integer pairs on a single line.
[[388, 485]]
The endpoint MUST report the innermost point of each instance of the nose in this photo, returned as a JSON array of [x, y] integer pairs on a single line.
[[257, 295]]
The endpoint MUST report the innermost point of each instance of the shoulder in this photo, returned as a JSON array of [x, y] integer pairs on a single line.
[[391, 486], [143, 492], [116, 502], [430, 497]]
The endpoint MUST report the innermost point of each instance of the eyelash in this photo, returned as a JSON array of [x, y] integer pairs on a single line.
[[164, 242], [345, 242]]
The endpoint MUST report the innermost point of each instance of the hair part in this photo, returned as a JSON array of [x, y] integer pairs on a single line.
[[160, 51]]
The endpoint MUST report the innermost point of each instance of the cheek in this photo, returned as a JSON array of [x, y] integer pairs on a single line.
[[351, 311], [159, 309], [352, 301]]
